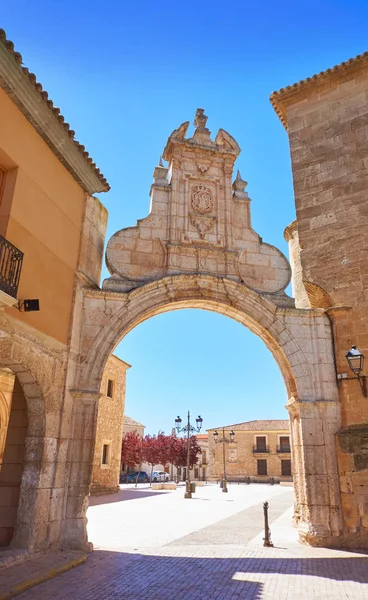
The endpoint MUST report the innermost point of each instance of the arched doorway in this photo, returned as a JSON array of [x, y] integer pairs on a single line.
[[22, 428], [300, 342]]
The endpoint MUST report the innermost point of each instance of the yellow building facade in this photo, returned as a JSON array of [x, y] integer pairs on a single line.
[[260, 450]]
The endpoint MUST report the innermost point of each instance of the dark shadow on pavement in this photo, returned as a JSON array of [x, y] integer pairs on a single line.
[[123, 495], [117, 575]]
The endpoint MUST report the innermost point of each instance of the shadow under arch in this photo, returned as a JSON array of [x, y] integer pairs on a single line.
[[229, 298], [25, 535]]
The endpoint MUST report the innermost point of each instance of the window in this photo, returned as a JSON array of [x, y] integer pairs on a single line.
[[262, 466], [204, 457], [110, 388], [261, 443], [284, 443], [286, 468], [105, 460]]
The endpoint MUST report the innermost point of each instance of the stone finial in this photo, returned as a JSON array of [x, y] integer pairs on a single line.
[[239, 186], [200, 119], [201, 134], [160, 173]]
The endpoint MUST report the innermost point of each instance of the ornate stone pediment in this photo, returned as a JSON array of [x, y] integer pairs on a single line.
[[199, 221]]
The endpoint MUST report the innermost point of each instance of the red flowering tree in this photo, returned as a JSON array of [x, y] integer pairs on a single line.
[[132, 451], [164, 445], [152, 451], [179, 451], [157, 450]]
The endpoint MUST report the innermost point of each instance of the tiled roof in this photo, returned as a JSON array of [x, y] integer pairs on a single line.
[[202, 436], [130, 421], [261, 425], [53, 109], [318, 82]]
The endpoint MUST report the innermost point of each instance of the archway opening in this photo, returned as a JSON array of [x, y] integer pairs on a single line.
[[207, 363], [13, 433]]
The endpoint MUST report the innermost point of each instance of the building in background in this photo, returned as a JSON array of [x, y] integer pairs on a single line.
[[109, 431], [260, 450], [130, 424]]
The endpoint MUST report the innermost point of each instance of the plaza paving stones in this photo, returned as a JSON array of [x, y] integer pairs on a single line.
[[206, 559]]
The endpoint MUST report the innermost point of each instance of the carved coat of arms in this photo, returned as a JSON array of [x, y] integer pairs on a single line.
[[201, 199]]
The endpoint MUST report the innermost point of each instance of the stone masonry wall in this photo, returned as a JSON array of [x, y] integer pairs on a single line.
[[105, 477], [327, 121]]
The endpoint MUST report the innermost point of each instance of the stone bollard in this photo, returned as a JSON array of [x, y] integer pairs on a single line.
[[267, 538]]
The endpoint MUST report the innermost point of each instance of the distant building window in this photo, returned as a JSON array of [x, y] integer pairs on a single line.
[[204, 457], [105, 454], [262, 467], [261, 443], [284, 443], [110, 388], [286, 468]]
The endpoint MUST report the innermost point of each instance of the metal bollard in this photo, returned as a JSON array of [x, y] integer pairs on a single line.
[[267, 538]]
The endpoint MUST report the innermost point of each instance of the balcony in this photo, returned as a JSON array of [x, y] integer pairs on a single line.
[[261, 449], [283, 449], [11, 260]]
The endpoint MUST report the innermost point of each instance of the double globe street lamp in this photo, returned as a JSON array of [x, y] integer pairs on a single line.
[[188, 429], [224, 440]]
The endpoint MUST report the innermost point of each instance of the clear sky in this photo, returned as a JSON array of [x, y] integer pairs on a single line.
[[125, 74]]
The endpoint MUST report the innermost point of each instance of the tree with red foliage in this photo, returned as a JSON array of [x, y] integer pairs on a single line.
[[179, 451], [132, 451], [152, 451], [157, 450]]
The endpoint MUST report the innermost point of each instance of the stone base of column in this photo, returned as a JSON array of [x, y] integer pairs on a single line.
[[320, 537]]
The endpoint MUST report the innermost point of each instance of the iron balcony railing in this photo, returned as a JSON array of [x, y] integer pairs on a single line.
[[284, 449], [261, 449], [11, 260]]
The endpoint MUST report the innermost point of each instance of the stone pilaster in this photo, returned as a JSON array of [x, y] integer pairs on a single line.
[[80, 464], [318, 505]]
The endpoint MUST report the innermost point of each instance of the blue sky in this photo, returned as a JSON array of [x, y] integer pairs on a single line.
[[125, 74]]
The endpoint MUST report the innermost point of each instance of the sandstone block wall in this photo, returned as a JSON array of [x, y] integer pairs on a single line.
[[109, 431], [241, 459], [327, 122]]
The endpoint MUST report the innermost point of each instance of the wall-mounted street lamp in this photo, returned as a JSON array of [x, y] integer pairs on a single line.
[[188, 429], [355, 361], [224, 440]]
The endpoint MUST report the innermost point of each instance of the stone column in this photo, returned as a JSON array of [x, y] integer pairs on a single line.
[[318, 513], [79, 465]]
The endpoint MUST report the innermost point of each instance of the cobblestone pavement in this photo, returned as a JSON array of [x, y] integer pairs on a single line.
[[207, 562]]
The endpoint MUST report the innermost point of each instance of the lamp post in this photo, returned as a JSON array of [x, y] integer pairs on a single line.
[[188, 429], [355, 361], [223, 441]]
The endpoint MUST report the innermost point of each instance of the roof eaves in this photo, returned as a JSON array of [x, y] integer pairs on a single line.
[[22, 87], [293, 93]]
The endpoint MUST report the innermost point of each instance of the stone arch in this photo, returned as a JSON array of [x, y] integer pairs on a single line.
[[277, 327], [301, 343], [31, 525]]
